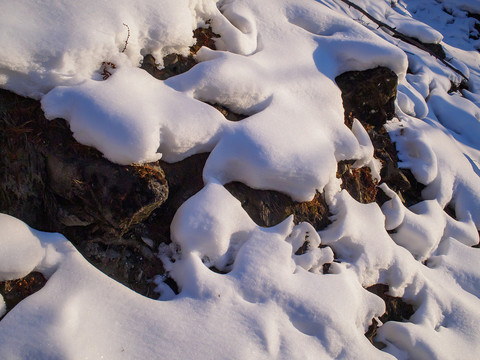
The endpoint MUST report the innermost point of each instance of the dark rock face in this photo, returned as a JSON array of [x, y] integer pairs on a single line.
[[184, 180], [53, 183], [358, 182], [268, 208], [369, 95], [396, 309], [95, 191], [435, 49]]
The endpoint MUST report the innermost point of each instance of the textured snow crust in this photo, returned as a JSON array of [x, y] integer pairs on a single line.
[[276, 63]]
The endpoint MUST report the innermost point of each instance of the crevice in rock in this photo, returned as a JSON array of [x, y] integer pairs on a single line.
[[303, 249], [14, 291], [268, 207], [172, 284], [450, 210], [326, 268], [184, 180], [229, 114], [175, 64], [458, 87], [396, 309], [219, 271]]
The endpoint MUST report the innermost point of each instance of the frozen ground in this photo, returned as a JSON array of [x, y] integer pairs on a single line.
[[276, 62]]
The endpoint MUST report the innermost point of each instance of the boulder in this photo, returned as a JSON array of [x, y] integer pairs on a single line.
[[369, 95]]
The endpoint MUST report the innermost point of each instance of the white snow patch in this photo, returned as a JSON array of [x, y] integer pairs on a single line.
[[20, 250], [276, 63]]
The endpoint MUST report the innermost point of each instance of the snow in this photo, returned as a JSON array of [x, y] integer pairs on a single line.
[[42, 53], [135, 118], [276, 63], [436, 160], [20, 250]]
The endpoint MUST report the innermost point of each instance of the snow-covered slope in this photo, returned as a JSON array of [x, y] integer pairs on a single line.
[[276, 62]]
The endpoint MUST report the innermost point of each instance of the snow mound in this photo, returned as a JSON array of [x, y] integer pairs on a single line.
[[20, 250], [248, 292], [133, 117], [41, 53]]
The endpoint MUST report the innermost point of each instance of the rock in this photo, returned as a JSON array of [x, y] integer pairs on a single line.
[[358, 182], [97, 191], [23, 173], [396, 309], [14, 291], [229, 115], [436, 49], [55, 184], [175, 64], [184, 180], [369, 95], [474, 31], [117, 216], [268, 208]]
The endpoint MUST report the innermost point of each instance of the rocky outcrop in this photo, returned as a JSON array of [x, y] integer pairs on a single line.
[[370, 97], [117, 216], [55, 184], [268, 208]]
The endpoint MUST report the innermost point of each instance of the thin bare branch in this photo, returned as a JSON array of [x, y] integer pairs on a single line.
[[128, 37]]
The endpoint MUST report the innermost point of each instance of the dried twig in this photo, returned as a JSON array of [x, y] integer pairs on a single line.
[[106, 66], [403, 37], [128, 37]]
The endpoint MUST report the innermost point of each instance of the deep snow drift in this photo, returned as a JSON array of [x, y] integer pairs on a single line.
[[276, 62]]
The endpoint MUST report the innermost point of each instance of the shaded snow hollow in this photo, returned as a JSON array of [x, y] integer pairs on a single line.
[[276, 62]]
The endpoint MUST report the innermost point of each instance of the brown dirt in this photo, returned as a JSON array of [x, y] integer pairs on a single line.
[[14, 291]]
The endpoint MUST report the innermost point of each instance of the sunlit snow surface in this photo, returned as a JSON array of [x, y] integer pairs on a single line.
[[276, 62]]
